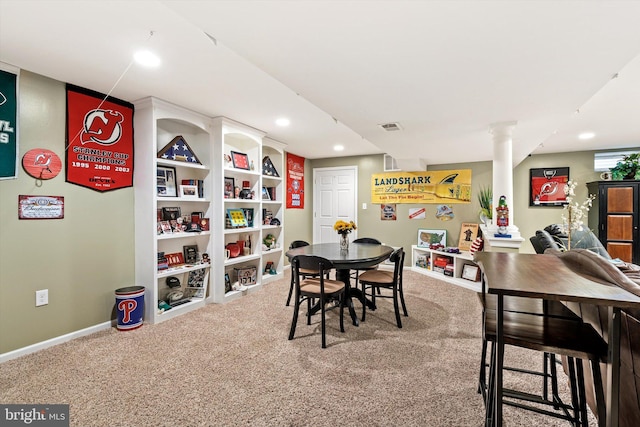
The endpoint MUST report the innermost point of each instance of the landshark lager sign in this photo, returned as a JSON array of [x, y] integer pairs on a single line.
[[452, 186], [100, 140], [8, 125]]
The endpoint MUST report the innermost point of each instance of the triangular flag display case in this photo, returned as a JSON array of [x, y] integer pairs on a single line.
[[268, 168], [178, 149]]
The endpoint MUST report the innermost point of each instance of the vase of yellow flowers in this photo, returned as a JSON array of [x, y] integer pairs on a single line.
[[344, 228]]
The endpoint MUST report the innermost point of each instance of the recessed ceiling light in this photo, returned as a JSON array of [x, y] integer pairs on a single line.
[[586, 135], [338, 147], [146, 58], [283, 121]]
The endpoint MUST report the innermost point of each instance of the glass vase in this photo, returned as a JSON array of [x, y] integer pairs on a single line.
[[344, 242]]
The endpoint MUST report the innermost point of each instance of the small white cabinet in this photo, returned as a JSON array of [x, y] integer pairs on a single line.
[[157, 123], [432, 262]]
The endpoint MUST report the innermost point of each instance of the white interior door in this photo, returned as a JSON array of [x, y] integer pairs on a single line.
[[335, 196]]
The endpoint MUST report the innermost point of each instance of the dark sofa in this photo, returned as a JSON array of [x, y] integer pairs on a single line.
[[588, 257]]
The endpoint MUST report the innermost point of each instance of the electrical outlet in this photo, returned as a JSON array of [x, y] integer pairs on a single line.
[[42, 297]]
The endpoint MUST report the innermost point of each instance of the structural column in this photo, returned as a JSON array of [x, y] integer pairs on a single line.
[[503, 184]]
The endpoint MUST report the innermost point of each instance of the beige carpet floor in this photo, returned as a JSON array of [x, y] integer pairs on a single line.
[[232, 365]]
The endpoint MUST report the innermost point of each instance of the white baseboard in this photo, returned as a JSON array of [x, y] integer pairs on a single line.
[[4, 357]]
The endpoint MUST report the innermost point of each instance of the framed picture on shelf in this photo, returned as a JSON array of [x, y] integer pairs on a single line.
[[240, 160], [171, 212], [248, 215], [189, 191], [247, 275], [227, 283], [265, 194], [196, 278], [237, 218], [190, 253], [165, 226], [471, 272], [468, 233], [547, 186], [166, 181], [427, 238], [229, 187]]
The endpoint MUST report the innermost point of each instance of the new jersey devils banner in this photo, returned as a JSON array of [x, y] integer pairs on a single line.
[[99, 140], [295, 181]]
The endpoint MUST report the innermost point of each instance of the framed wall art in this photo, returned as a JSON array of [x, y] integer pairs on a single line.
[[240, 160], [166, 181], [547, 186], [426, 238]]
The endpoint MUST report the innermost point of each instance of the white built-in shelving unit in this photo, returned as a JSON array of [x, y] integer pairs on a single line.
[[422, 261], [156, 124]]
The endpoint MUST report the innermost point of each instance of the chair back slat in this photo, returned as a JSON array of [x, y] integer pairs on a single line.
[[368, 240], [311, 262], [298, 244], [397, 258]]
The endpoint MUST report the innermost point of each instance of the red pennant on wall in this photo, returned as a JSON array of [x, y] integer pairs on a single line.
[[99, 151], [295, 181]]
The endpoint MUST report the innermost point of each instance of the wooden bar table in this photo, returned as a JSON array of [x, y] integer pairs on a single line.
[[545, 276]]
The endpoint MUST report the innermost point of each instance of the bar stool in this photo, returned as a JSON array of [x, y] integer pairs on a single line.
[[574, 339]]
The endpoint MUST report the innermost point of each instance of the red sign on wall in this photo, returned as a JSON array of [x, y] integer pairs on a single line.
[[295, 181], [99, 152]]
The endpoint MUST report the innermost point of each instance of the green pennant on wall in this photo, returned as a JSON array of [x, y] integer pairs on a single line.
[[8, 125]]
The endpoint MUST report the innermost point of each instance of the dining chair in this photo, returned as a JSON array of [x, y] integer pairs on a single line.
[[355, 273], [322, 288], [304, 272], [376, 279]]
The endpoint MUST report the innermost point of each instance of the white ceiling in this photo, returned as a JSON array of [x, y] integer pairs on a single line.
[[445, 70]]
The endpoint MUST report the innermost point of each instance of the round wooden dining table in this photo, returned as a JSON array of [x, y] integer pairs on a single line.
[[358, 256]]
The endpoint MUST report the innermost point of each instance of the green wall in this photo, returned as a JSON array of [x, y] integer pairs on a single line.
[[404, 232], [84, 257], [81, 259], [529, 219]]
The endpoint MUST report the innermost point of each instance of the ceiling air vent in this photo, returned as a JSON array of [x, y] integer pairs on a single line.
[[390, 126]]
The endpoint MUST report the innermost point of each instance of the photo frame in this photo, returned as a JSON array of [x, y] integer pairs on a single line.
[[190, 253], [227, 283], [236, 217], [166, 181], [468, 233], [247, 275], [229, 187], [427, 237], [265, 194], [547, 186], [189, 191], [240, 160], [471, 272]]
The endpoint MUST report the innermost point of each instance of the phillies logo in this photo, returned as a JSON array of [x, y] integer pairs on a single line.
[[127, 307], [103, 127]]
